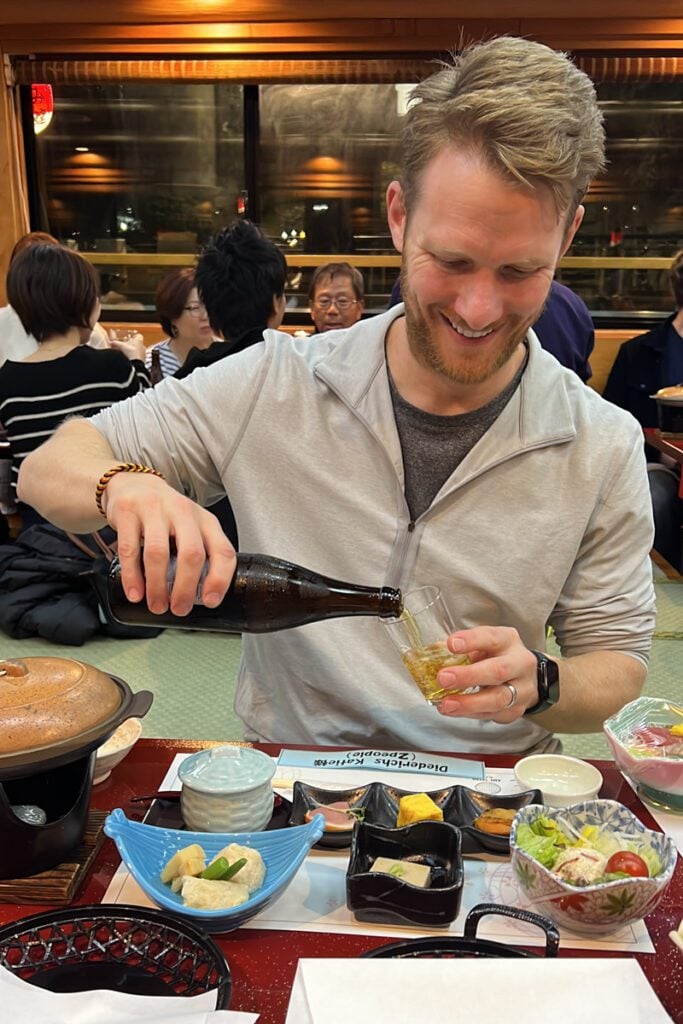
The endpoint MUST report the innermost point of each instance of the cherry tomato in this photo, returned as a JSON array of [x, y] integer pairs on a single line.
[[629, 863]]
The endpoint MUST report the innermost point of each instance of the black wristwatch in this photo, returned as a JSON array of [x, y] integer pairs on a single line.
[[548, 682]]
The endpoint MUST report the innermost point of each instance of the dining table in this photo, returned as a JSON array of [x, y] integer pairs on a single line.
[[263, 962], [669, 446]]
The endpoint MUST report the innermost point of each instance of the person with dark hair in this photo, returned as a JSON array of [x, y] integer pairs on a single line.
[[184, 318], [643, 366], [336, 296], [436, 443], [15, 342], [650, 361], [55, 294], [241, 278]]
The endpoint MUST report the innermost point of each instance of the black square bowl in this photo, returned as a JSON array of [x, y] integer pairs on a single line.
[[308, 798], [468, 804], [381, 898]]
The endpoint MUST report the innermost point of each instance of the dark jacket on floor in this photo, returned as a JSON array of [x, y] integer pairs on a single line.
[[44, 593]]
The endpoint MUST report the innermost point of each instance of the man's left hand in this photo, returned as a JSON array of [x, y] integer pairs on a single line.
[[500, 665]]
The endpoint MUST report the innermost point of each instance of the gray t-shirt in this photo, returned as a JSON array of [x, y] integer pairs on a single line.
[[433, 446]]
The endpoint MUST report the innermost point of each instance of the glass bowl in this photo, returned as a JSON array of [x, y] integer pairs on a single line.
[[605, 906], [657, 777], [146, 849]]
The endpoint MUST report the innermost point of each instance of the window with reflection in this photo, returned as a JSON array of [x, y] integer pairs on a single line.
[[155, 169], [140, 168]]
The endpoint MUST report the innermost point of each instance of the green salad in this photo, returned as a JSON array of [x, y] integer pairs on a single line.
[[589, 857]]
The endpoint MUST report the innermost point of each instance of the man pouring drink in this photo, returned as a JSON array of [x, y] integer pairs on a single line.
[[436, 443]]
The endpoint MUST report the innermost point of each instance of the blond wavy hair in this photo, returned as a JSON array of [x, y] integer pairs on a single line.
[[527, 110]]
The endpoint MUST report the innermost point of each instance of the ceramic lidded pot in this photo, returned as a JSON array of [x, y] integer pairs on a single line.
[[54, 713], [670, 410], [227, 789]]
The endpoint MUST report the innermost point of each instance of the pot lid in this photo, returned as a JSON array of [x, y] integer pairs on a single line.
[[44, 701], [226, 769]]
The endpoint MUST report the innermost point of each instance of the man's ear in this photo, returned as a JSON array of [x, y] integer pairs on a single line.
[[396, 214], [573, 228]]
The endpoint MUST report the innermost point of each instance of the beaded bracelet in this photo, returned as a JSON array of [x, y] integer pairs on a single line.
[[123, 467]]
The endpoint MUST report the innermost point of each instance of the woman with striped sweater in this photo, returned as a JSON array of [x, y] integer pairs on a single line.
[[55, 294]]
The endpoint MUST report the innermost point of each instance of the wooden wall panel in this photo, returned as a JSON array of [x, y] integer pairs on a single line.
[[13, 208]]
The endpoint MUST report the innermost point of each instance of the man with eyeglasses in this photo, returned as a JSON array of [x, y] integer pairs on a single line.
[[436, 443], [336, 296]]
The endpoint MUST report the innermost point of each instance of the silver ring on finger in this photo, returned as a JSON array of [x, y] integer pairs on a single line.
[[513, 696]]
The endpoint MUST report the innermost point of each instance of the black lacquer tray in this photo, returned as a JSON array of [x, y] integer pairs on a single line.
[[377, 804]]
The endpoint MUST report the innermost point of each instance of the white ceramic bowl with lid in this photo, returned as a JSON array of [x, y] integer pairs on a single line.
[[563, 780], [227, 789]]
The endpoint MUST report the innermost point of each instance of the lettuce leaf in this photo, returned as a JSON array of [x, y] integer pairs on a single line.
[[542, 848]]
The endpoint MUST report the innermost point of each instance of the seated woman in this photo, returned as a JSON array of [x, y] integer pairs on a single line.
[[54, 292], [183, 317], [15, 342]]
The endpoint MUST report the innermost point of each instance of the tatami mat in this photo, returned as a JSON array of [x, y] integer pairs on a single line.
[[193, 674]]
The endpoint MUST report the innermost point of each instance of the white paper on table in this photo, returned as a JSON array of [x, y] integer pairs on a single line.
[[487, 991], [315, 901], [23, 1003]]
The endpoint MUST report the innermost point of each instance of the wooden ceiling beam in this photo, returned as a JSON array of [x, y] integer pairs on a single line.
[[340, 37], [85, 12]]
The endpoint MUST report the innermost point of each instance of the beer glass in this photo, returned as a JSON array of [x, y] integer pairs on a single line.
[[420, 635]]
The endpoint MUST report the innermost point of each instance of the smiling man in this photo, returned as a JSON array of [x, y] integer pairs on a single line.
[[434, 444]]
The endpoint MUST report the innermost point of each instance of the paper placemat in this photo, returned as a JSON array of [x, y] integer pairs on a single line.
[[333, 991], [315, 901]]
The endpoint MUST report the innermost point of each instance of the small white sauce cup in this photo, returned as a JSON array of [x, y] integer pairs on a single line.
[[562, 780]]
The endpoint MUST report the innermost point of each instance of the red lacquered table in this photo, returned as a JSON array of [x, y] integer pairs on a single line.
[[263, 963], [673, 447]]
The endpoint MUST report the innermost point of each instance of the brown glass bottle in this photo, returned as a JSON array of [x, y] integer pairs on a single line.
[[155, 372], [266, 594]]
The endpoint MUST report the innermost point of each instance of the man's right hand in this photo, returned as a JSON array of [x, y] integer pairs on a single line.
[[147, 513]]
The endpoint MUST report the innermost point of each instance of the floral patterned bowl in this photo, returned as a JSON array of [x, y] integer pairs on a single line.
[[603, 907]]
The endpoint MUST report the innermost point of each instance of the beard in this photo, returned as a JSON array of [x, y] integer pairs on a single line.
[[475, 369]]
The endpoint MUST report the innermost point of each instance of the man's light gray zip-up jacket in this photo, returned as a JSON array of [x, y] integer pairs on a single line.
[[546, 521]]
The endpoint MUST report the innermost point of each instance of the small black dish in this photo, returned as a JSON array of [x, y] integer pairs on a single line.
[[383, 804], [307, 798], [469, 804], [166, 814], [385, 899]]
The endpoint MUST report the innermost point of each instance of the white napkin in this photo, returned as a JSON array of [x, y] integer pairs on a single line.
[[24, 1004], [486, 991]]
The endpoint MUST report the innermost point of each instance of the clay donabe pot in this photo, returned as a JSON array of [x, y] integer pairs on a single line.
[[670, 411], [54, 714]]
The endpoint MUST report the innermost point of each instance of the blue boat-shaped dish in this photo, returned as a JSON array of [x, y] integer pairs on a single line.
[[145, 849]]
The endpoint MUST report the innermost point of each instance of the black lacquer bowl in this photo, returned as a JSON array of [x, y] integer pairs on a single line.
[[382, 898], [377, 804]]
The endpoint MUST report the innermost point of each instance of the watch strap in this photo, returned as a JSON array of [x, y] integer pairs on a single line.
[[548, 683]]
